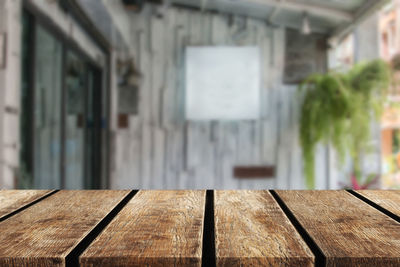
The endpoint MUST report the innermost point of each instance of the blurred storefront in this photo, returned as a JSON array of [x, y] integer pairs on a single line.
[[61, 108], [94, 91], [389, 29]]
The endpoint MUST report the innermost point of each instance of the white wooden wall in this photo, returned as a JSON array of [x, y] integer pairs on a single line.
[[10, 19], [162, 150]]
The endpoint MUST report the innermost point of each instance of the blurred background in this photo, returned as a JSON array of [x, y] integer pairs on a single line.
[[177, 94]]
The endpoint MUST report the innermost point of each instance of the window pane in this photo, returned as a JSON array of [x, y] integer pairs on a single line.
[[47, 111], [75, 121]]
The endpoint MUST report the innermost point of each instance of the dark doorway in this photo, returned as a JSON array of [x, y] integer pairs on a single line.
[[94, 129], [62, 111]]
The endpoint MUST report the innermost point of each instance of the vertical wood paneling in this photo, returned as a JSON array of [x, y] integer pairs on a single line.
[[158, 159], [165, 151]]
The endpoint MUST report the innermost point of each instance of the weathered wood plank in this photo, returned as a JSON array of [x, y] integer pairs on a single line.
[[45, 233], [156, 228], [387, 199], [348, 231], [12, 200], [252, 230]]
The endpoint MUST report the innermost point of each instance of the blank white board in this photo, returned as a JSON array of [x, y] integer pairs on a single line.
[[222, 83]]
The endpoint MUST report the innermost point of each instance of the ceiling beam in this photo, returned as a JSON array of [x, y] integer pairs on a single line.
[[295, 26], [203, 5], [312, 9], [361, 14], [277, 9], [274, 13]]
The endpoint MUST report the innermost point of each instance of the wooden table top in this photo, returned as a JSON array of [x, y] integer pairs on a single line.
[[199, 228]]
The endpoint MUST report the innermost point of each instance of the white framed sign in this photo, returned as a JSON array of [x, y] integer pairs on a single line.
[[222, 83]]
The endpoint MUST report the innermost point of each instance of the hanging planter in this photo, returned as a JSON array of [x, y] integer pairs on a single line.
[[338, 109]]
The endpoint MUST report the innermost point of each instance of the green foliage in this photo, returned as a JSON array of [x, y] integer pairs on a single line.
[[338, 109]]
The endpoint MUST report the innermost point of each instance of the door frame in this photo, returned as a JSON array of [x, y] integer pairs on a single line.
[[36, 17]]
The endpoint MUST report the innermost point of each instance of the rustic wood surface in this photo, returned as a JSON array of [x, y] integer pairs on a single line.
[[156, 228], [252, 230], [387, 199], [347, 230], [12, 200], [45, 233], [165, 228]]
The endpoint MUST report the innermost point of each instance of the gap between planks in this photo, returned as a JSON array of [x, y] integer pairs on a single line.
[[24, 207], [208, 257], [72, 259], [320, 259], [349, 231], [157, 228], [251, 229], [208, 241], [375, 205]]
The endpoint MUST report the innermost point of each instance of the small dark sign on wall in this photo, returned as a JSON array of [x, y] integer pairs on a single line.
[[123, 121], [305, 55], [128, 99], [249, 172], [3, 43]]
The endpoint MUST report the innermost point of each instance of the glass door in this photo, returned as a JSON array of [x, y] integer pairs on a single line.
[[76, 85], [62, 107], [82, 124], [47, 111]]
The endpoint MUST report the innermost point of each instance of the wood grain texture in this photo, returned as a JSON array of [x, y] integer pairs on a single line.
[[12, 200], [156, 228], [45, 233], [348, 231], [252, 230], [387, 199]]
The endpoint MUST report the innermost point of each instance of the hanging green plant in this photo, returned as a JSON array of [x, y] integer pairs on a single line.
[[338, 109]]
